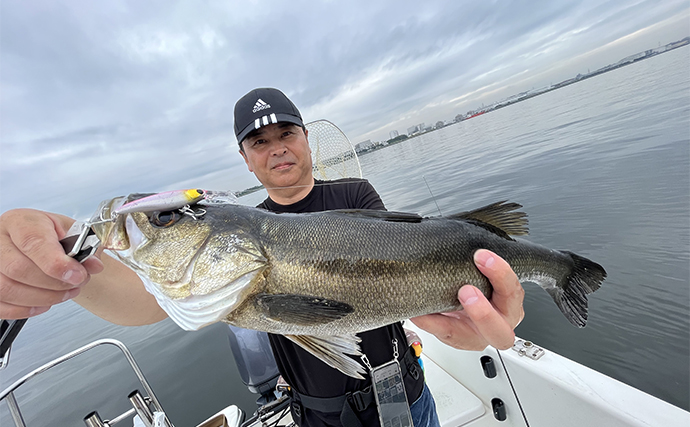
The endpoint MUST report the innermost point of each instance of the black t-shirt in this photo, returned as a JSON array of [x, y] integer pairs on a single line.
[[304, 372]]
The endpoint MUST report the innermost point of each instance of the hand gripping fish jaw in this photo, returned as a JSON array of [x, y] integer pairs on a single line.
[[81, 241]]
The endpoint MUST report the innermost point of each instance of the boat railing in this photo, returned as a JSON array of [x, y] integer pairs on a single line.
[[146, 407]]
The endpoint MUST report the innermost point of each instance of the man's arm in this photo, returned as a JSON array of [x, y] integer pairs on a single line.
[[118, 296], [35, 274]]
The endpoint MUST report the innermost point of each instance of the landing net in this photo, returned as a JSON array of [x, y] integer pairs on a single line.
[[333, 155]]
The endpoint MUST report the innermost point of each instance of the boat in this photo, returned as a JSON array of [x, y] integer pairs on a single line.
[[525, 386]]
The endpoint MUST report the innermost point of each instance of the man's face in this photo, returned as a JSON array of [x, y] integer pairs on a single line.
[[279, 155]]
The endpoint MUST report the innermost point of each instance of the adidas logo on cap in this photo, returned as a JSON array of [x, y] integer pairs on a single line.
[[260, 105]]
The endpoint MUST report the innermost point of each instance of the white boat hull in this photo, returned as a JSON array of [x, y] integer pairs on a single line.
[[550, 391]]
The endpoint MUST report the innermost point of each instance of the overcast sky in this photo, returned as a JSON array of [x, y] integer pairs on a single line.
[[103, 98]]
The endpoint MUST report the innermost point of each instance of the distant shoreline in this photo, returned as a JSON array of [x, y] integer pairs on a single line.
[[514, 99]]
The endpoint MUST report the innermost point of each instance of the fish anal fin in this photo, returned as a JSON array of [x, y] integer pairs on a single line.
[[304, 310], [501, 218], [333, 350]]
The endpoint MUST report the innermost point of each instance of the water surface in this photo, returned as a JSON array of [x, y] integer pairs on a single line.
[[602, 167]]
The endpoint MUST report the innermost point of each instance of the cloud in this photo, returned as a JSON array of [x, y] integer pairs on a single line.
[[117, 97]]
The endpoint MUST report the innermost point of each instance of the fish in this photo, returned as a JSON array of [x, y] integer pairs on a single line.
[[321, 278]]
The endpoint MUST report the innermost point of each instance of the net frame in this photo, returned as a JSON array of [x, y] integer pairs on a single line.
[[332, 153]]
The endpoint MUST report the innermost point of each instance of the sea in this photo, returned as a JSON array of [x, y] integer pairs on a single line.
[[602, 168]]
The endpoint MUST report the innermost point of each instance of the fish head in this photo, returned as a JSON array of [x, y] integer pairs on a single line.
[[203, 258]]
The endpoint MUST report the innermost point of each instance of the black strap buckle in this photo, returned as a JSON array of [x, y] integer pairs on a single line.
[[296, 409], [361, 399], [413, 369]]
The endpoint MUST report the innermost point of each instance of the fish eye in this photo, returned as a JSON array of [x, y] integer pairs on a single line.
[[164, 219]]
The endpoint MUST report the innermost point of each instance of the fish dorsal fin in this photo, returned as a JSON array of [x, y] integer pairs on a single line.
[[500, 218], [390, 216], [333, 350], [304, 310]]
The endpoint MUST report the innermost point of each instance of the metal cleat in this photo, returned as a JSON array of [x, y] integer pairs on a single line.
[[527, 348]]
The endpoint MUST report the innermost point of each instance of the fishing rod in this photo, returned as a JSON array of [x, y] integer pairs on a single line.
[[9, 329]]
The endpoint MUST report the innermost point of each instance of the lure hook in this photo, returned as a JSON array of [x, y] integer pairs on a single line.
[[187, 210]]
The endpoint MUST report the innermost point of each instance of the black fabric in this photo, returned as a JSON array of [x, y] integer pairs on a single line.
[[354, 402], [304, 372], [348, 193]]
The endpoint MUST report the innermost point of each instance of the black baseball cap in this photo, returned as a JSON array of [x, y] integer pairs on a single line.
[[261, 107]]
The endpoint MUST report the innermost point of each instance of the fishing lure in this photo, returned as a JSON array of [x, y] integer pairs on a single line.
[[166, 201]]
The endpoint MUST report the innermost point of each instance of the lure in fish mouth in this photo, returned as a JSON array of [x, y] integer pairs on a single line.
[[320, 278]]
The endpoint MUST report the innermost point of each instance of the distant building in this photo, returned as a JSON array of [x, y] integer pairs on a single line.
[[631, 58], [412, 130], [364, 145], [681, 42], [393, 134], [421, 127]]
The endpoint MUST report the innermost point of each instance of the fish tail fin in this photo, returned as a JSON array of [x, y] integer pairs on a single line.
[[570, 293]]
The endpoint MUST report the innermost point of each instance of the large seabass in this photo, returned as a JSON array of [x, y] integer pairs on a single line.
[[319, 278]]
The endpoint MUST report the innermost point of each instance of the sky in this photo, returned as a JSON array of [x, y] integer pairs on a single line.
[[104, 98]]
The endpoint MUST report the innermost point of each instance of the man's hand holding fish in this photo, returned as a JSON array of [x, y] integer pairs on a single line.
[[482, 322]]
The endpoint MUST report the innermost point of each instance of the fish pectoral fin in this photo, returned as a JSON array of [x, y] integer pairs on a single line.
[[500, 218], [304, 310], [389, 216], [333, 350]]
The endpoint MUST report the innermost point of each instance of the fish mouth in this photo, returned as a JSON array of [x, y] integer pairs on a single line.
[[106, 209], [110, 229]]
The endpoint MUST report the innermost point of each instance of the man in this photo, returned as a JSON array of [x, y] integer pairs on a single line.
[[273, 142], [36, 274]]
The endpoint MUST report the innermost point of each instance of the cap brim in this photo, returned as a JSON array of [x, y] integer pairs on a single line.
[[289, 118]]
